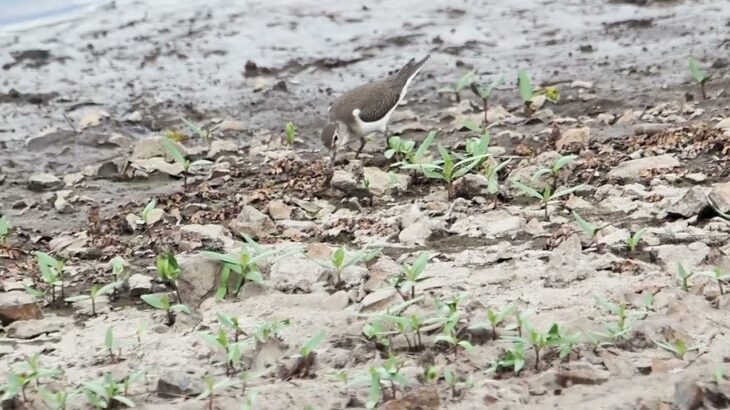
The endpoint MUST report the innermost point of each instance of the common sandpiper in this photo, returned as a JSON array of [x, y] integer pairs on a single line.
[[367, 109]]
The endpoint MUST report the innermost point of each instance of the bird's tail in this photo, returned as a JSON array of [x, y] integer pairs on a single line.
[[411, 69]]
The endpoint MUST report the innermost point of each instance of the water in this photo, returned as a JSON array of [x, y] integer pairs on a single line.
[[29, 12]]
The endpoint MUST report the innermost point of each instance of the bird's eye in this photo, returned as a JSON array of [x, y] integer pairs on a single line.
[[335, 138]]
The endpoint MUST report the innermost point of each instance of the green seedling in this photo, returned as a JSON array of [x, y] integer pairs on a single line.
[[554, 170], [51, 272], [719, 277], [389, 372], [119, 269], [15, 385], [620, 328], [718, 375], [484, 93], [178, 156], [513, 359], [232, 350], [340, 376], [132, 378], [212, 386], [494, 319], [451, 335], [162, 302], [678, 348], [245, 266], [546, 195], [28, 371], [4, 229], [633, 241], [339, 261], [378, 333], [139, 332], [232, 323], [698, 75], [58, 400], [492, 175], [588, 228], [249, 400], [684, 277], [245, 377], [533, 338], [376, 330], [410, 275], [199, 131], [111, 344], [305, 362], [400, 148], [526, 91], [106, 394], [148, 214], [463, 82], [290, 131], [520, 320], [566, 343], [446, 170], [270, 329], [94, 293], [169, 271], [597, 340]]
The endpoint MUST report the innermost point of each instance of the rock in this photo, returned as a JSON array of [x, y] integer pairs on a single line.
[[585, 375], [690, 204], [380, 272], [28, 329], [67, 246], [690, 256], [416, 233], [134, 116], [380, 300], [278, 210], [252, 222], [470, 185], [379, 181], [696, 177], [493, 224], [719, 197], [723, 124], [158, 164], [92, 117], [649, 129], [18, 306], [139, 284], [198, 278], [104, 170], [688, 395], [174, 384], [343, 180], [61, 203], [422, 398], [232, 125], [295, 273], [44, 182], [73, 179], [84, 307], [633, 168], [210, 232], [220, 147], [151, 148], [336, 301], [573, 137], [567, 264]]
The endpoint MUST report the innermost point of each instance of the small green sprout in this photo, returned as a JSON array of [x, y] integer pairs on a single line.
[[119, 269], [212, 386], [94, 293], [147, 214], [698, 75], [588, 228], [718, 375], [554, 170], [232, 350], [684, 277], [451, 335], [566, 343], [512, 359], [492, 175], [400, 148], [169, 271], [339, 261], [305, 362], [162, 302], [484, 93], [520, 320], [199, 131], [535, 339], [111, 344], [231, 323], [410, 275], [619, 329], [719, 277], [106, 394], [51, 272], [58, 400], [270, 329], [249, 400], [633, 241], [4, 229], [546, 195], [494, 319], [178, 156], [446, 170], [389, 372], [15, 384], [679, 347], [463, 82], [290, 131], [526, 91]]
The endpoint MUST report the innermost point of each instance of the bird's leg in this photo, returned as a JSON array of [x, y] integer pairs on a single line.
[[363, 141]]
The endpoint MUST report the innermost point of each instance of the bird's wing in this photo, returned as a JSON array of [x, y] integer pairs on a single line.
[[377, 99]]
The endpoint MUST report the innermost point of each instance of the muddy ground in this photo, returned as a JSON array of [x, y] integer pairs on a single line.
[[86, 103]]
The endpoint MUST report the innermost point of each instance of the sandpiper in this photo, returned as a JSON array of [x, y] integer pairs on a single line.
[[367, 108]]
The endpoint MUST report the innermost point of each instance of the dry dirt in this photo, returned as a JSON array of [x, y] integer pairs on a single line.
[[87, 101]]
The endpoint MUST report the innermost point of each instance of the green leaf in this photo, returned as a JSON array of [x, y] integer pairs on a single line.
[[584, 225], [338, 258], [471, 125], [181, 308], [221, 257], [494, 84], [109, 338], [698, 75], [425, 145], [313, 343], [108, 288], [125, 401], [255, 277], [562, 161], [374, 397], [464, 81], [157, 301], [525, 85], [389, 153], [420, 263], [33, 292], [147, 209], [566, 191], [221, 293], [4, 226], [174, 152], [466, 345], [194, 128], [526, 189]]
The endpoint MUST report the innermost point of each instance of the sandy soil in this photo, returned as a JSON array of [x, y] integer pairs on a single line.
[[87, 101]]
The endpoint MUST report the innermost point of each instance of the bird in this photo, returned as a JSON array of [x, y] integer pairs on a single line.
[[367, 108]]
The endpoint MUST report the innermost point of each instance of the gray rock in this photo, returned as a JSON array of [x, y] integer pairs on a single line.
[[380, 300], [574, 137], [252, 222], [67, 246], [28, 329], [174, 384], [567, 264], [380, 272], [18, 306], [688, 395], [379, 181], [44, 182], [690, 256], [634, 167], [61, 202], [278, 210], [719, 197], [470, 185], [198, 278], [416, 233], [295, 272], [689, 205], [152, 147], [336, 301], [220, 147], [211, 232], [492, 224], [158, 164], [343, 180], [139, 284], [233, 125]]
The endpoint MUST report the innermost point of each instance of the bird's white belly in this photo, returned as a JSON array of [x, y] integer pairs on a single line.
[[365, 128]]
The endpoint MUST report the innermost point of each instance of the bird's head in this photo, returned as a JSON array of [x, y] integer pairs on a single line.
[[334, 135]]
